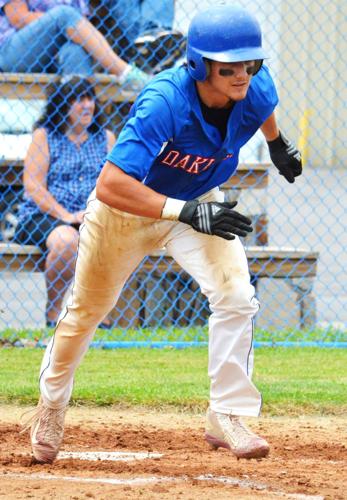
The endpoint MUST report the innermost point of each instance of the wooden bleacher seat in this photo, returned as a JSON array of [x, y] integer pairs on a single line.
[[264, 262], [33, 85]]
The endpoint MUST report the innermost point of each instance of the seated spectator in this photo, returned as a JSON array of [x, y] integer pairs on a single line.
[[48, 36], [65, 157], [144, 25]]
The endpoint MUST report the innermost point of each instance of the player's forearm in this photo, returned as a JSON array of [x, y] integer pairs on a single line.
[[119, 190], [270, 128]]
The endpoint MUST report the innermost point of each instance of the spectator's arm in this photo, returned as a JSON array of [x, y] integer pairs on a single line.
[[111, 140], [19, 15], [36, 166]]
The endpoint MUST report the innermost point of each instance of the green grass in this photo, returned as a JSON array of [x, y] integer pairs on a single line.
[[292, 380], [173, 334]]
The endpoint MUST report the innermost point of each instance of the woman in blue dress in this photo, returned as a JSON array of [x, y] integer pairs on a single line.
[[69, 145]]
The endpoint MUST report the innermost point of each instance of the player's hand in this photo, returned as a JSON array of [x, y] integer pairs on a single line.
[[285, 157], [215, 218]]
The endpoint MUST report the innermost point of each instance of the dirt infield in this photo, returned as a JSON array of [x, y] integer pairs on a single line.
[[307, 459]]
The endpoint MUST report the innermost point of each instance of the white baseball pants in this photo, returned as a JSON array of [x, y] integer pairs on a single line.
[[112, 243]]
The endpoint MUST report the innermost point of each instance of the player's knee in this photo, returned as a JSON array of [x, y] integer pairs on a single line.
[[87, 310], [237, 298]]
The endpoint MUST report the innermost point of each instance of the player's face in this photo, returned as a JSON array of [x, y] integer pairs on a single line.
[[82, 111], [231, 79]]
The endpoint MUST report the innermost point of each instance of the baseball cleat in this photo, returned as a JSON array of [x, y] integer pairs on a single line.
[[228, 431], [46, 432]]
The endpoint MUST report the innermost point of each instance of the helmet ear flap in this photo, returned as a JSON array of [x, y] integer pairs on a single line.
[[258, 65], [197, 66]]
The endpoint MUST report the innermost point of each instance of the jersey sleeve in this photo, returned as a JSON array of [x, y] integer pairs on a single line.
[[151, 124], [263, 96]]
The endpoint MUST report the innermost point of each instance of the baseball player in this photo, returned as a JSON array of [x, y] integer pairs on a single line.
[[159, 188]]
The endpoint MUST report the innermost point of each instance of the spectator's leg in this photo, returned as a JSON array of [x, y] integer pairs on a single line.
[[33, 48], [64, 22], [59, 267], [72, 58], [86, 35], [39, 43]]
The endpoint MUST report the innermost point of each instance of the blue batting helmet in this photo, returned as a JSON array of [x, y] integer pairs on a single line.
[[224, 33]]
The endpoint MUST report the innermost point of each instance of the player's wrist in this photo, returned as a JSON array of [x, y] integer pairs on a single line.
[[172, 209], [277, 144]]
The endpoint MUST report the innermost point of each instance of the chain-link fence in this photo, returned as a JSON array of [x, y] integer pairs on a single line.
[[297, 251]]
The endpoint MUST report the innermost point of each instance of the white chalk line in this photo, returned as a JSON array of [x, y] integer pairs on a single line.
[[112, 456], [127, 456], [140, 481], [137, 481]]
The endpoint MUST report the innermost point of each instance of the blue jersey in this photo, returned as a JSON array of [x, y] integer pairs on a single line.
[[167, 144]]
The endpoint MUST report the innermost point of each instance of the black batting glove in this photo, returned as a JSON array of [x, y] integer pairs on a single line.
[[285, 157], [215, 218]]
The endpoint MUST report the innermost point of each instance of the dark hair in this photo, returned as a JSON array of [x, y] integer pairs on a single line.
[[60, 96]]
